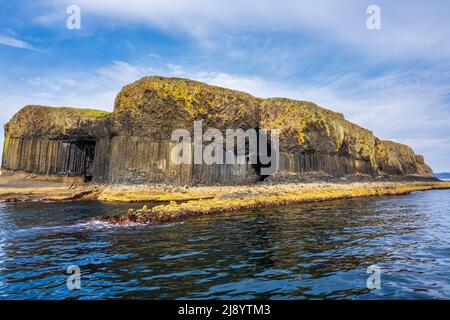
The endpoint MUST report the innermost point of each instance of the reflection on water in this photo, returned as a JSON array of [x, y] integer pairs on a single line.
[[309, 251]]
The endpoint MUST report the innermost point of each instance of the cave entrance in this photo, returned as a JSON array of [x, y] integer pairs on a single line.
[[87, 148], [268, 153]]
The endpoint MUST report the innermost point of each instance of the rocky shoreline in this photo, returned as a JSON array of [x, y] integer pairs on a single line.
[[171, 203], [21, 187], [261, 197]]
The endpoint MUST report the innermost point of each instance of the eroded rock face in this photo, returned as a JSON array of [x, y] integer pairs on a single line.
[[64, 123], [396, 158], [155, 106], [316, 139], [53, 141], [132, 144]]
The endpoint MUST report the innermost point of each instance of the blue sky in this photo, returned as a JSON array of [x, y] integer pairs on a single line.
[[394, 81]]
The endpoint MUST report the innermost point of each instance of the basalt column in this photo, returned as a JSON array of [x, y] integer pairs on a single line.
[[133, 144], [48, 157]]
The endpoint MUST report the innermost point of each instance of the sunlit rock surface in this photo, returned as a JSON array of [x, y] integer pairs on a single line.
[[132, 144]]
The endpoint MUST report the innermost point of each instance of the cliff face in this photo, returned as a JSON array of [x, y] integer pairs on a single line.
[[315, 139], [55, 141], [132, 144]]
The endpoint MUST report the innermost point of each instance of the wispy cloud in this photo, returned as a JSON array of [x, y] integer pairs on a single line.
[[16, 43], [409, 28]]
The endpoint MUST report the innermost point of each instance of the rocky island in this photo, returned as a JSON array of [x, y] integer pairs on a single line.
[[70, 154]]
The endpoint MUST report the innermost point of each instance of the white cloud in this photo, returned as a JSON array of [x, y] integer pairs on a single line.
[[122, 72], [408, 28], [13, 42]]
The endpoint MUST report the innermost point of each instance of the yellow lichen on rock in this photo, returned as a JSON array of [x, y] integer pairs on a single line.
[[132, 144], [56, 122], [259, 197], [140, 194]]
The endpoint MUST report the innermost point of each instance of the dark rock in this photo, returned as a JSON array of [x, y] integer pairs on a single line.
[[132, 145]]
